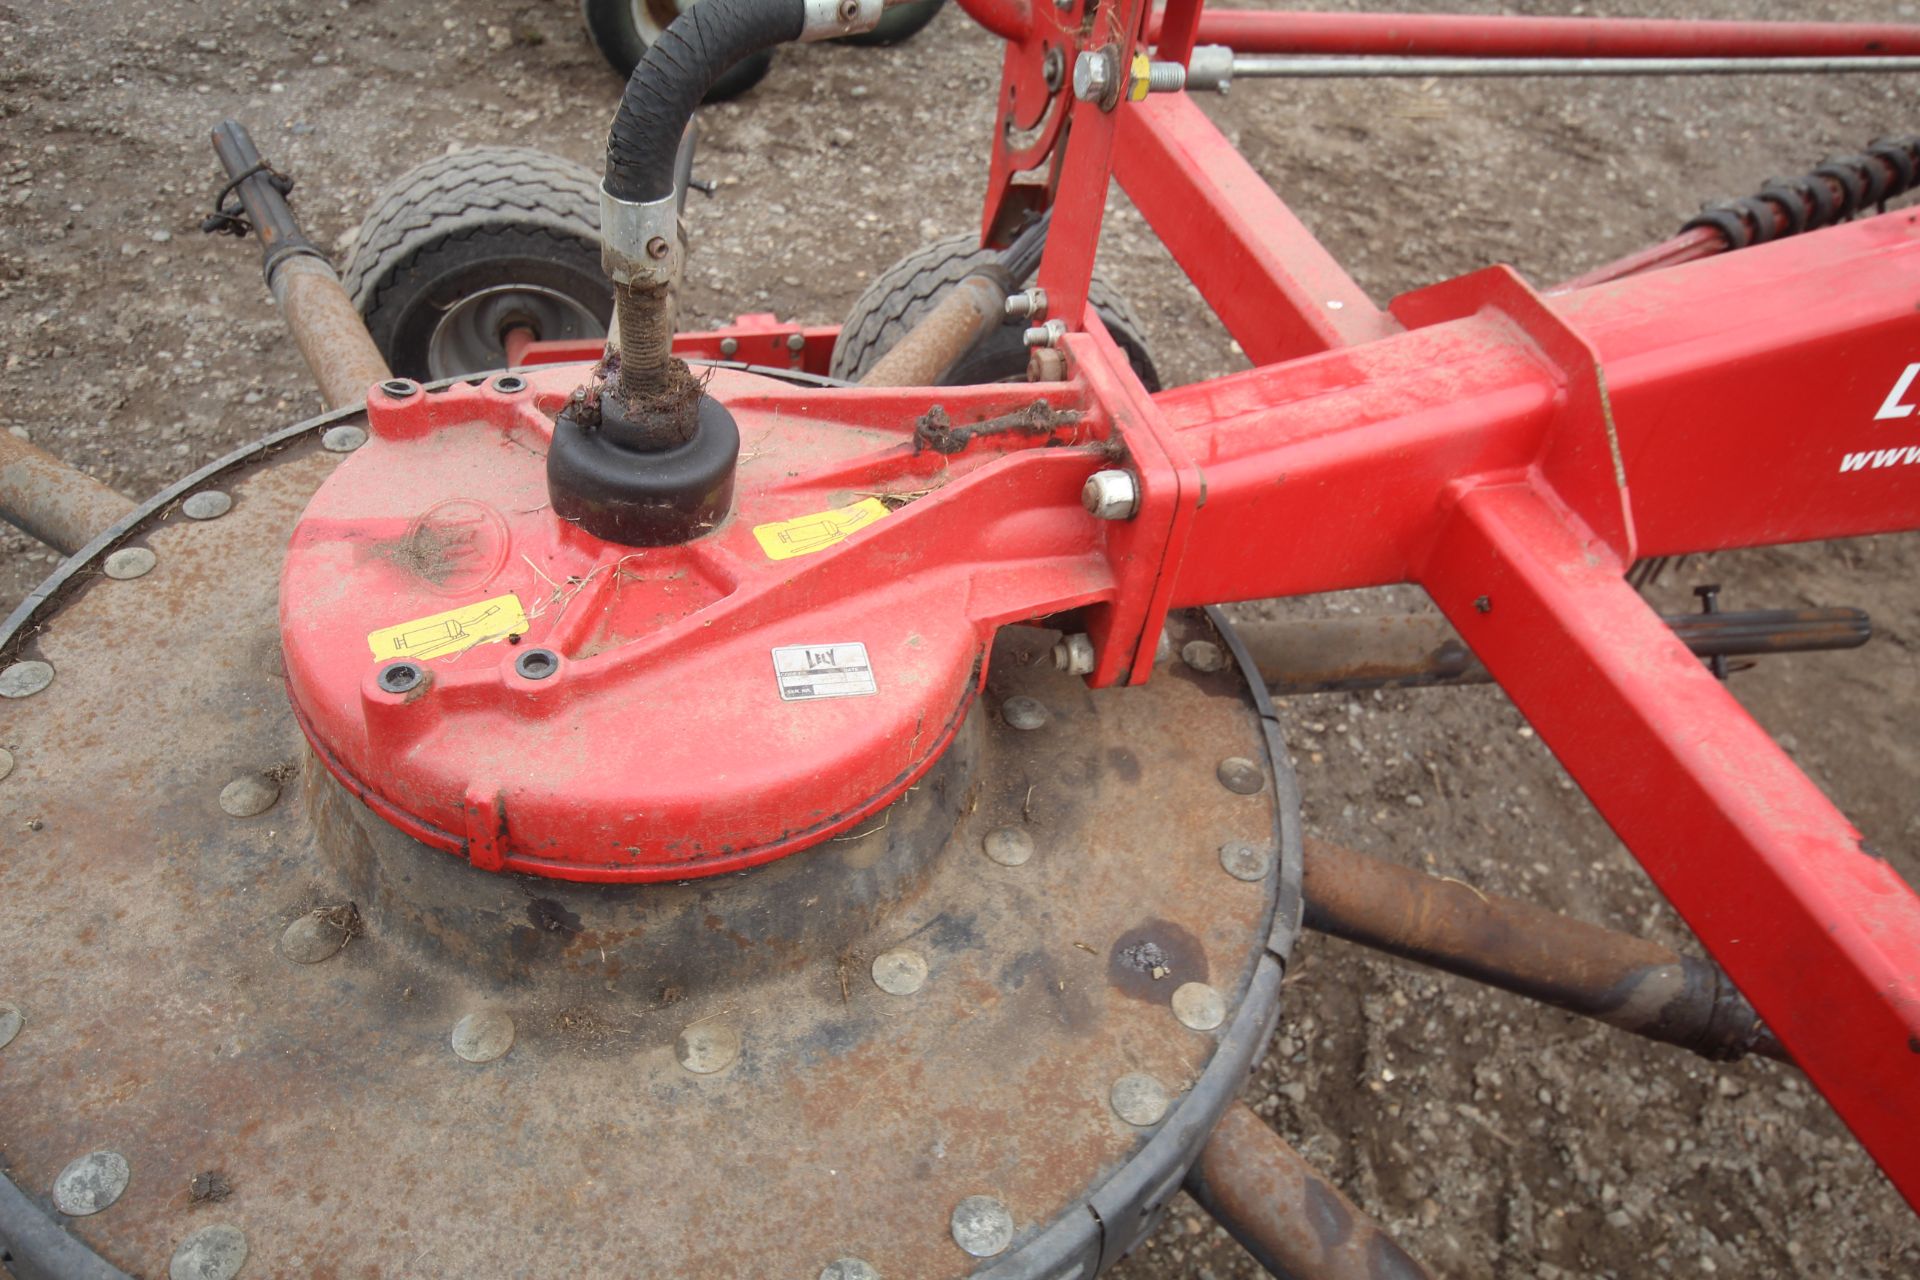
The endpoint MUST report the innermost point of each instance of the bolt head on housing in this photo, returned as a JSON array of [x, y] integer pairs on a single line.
[[1111, 495], [1096, 78], [1074, 655]]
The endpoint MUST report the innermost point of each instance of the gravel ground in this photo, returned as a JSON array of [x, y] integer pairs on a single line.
[[1492, 1137]]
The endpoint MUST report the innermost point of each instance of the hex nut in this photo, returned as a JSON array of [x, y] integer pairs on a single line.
[[1111, 495]]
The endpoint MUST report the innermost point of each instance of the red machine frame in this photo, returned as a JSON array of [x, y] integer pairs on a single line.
[[1514, 454]]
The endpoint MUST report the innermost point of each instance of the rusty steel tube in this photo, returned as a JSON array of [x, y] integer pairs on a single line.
[[1631, 983], [327, 328], [47, 499], [967, 313], [1327, 655], [1293, 1221]]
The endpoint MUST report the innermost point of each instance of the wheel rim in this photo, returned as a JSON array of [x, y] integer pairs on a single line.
[[471, 335]]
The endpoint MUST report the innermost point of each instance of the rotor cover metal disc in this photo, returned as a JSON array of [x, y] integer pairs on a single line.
[[358, 1055]]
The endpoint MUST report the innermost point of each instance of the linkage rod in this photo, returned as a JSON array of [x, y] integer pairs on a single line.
[[1263, 66], [1631, 983]]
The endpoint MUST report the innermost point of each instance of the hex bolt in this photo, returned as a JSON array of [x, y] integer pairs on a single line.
[[11, 1020], [536, 664], [211, 1253], [344, 438], [400, 677], [208, 504], [1244, 861], [398, 388], [982, 1226], [1139, 1099], [1199, 1006], [899, 972], [1024, 713], [1046, 335], [729, 347], [1096, 78], [658, 247], [24, 679], [130, 562], [482, 1037], [1008, 846], [1203, 655], [707, 1047], [1074, 655], [1111, 495], [249, 796], [1028, 305], [1241, 776], [90, 1183]]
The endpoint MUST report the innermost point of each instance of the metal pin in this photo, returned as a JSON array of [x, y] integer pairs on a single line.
[[482, 1037], [707, 1047], [1022, 712], [344, 438], [982, 1226], [1241, 776], [90, 1183], [24, 679], [899, 972], [1139, 1099], [1199, 1006], [1008, 846], [130, 562], [211, 1253], [249, 796], [208, 504]]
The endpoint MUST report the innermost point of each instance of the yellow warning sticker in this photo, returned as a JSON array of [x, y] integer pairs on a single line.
[[785, 539], [455, 631]]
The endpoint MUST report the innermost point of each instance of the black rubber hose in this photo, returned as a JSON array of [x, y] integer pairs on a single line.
[[699, 47]]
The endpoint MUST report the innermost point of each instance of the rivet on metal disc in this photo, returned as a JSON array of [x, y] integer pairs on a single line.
[[899, 972], [982, 1226], [482, 1037], [1139, 1099], [344, 438], [211, 1253], [707, 1047], [11, 1020], [1008, 846], [249, 796], [1199, 1006], [1245, 861], [130, 562], [90, 1183], [315, 936], [6, 762], [1022, 712], [24, 679], [1202, 655], [208, 504], [848, 1269], [1241, 775]]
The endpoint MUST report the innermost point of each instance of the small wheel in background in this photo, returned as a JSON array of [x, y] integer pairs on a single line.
[[622, 30], [469, 246], [902, 22], [910, 288]]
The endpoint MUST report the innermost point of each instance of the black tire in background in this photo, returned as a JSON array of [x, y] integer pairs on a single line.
[[906, 291], [469, 245], [622, 30], [902, 22]]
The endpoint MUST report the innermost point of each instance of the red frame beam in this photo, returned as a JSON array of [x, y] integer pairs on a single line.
[[1484, 36]]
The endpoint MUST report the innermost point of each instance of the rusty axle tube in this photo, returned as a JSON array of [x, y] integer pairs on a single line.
[[1418, 650], [1292, 1220], [1631, 983], [325, 324], [47, 499]]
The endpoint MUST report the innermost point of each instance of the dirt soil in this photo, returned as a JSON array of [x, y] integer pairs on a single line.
[[1492, 1137]]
